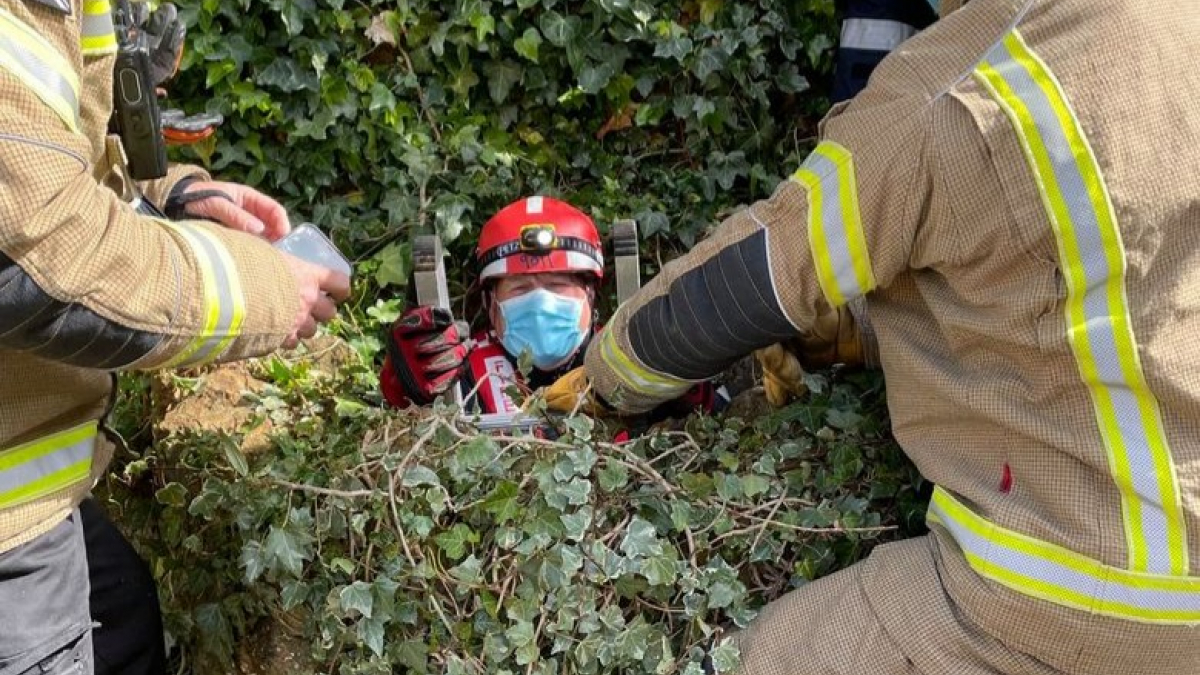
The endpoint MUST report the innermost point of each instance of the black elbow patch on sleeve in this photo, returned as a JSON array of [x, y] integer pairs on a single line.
[[713, 314], [33, 321]]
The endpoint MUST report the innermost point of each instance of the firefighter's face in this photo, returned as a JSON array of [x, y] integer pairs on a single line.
[[566, 285]]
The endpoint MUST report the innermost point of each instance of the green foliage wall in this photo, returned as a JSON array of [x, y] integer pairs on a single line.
[[372, 117]]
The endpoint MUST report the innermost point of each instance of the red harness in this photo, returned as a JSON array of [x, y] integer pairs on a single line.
[[489, 373]]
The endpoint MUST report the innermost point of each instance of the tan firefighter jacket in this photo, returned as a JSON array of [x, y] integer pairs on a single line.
[[1017, 195], [88, 287]]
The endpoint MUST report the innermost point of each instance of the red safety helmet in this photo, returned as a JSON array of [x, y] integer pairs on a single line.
[[536, 235]]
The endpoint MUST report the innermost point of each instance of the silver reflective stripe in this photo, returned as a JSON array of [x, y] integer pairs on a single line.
[[226, 302], [1055, 574], [49, 85], [97, 37], [835, 229], [34, 470], [97, 25], [1099, 323], [38, 468], [835, 224], [878, 35]]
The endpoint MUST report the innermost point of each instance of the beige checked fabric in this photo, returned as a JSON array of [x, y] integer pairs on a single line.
[[1014, 194], [88, 285]]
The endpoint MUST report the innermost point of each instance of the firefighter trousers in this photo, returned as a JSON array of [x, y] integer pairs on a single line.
[[892, 614], [79, 600]]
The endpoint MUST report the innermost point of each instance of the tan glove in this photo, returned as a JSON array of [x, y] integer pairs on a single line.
[[573, 392], [783, 377], [839, 335]]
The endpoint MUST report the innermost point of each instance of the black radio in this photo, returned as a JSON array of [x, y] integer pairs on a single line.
[[135, 105]]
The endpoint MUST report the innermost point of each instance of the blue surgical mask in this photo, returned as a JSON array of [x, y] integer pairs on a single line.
[[543, 323]]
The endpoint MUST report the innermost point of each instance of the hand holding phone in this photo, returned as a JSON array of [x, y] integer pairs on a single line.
[[322, 277]]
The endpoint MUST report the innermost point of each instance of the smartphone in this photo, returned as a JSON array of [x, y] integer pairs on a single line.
[[308, 243]]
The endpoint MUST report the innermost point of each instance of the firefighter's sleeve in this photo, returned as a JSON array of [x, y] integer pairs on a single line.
[[158, 190], [83, 279], [841, 226]]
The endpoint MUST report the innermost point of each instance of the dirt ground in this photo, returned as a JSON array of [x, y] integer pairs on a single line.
[[218, 400]]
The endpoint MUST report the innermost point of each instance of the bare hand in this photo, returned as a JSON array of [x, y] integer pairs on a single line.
[[241, 208], [321, 290]]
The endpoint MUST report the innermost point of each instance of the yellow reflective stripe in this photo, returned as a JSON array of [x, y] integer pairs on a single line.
[[1055, 574], [233, 300], [835, 229], [46, 465], [224, 301], [98, 36], [38, 65], [1099, 326], [638, 378]]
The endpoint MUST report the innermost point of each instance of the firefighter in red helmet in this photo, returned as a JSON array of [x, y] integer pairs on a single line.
[[540, 262]]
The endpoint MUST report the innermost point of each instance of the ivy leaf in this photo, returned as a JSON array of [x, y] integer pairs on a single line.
[[357, 598], [469, 571], [641, 540], [370, 631], [394, 267], [613, 477], [596, 77], [252, 561], [417, 476], [729, 487], [294, 12], [660, 570], [725, 657], [721, 594], [576, 524], [455, 541], [233, 454], [711, 60], [754, 485], [172, 494], [846, 420], [709, 9], [527, 45], [790, 80], [559, 30], [477, 453], [501, 76], [283, 74], [293, 594], [575, 493], [287, 550], [382, 98], [414, 655], [503, 502]]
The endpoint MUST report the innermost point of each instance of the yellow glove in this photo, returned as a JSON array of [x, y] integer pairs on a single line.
[[839, 335], [783, 377], [573, 392]]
